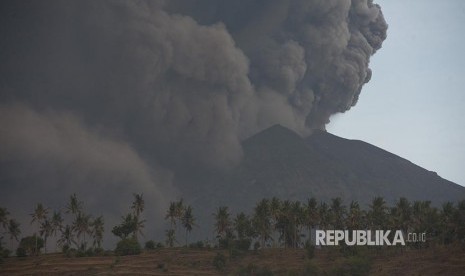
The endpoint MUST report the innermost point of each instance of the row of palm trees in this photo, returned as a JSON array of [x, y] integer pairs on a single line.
[[283, 223], [287, 223], [81, 225]]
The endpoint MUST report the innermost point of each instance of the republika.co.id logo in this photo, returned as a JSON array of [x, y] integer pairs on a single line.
[[366, 237]]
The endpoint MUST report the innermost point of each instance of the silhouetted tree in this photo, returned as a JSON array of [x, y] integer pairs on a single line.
[[188, 220], [81, 226], [39, 215], [222, 221], [262, 221], [97, 231], [170, 237], [74, 206]]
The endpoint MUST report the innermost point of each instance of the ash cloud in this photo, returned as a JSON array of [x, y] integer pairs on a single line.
[[116, 95]]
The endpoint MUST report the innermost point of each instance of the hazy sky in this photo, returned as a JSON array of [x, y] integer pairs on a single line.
[[414, 104]]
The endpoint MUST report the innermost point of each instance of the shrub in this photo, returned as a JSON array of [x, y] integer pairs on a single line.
[[219, 262], [198, 244], [160, 245], [150, 245], [27, 246], [71, 253], [128, 246], [21, 252], [243, 244], [65, 248], [310, 250]]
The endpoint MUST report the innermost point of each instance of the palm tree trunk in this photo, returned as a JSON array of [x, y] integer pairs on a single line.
[[36, 243]]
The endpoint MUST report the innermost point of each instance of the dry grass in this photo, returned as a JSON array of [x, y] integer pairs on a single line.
[[432, 261]]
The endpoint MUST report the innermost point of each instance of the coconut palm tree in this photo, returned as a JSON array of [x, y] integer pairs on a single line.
[[338, 212], [57, 224], [222, 221], [13, 230], [97, 231], [243, 226], [4, 217], [171, 214], [67, 237], [297, 221], [74, 206], [46, 229], [81, 226], [323, 213], [188, 220], [275, 210], [39, 215], [311, 215], [401, 214], [262, 221], [355, 217], [377, 214], [170, 237], [138, 205]]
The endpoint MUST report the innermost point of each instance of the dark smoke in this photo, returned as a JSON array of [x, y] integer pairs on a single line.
[[107, 97]]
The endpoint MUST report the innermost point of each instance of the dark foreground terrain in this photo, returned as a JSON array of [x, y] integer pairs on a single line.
[[180, 261]]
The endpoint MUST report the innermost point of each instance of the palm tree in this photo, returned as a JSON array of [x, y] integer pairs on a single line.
[[262, 221], [171, 214], [283, 224], [138, 204], [355, 217], [179, 209], [188, 220], [338, 212], [311, 215], [138, 207], [97, 231], [4, 217], [67, 238], [275, 210], [81, 225], [401, 214], [45, 231], [243, 226], [297, 221], [377, 215], [74, 206], [139, 225], [323, 213], [170, 237], [57, 224], [13, 229], [222, 221], [39, 215]]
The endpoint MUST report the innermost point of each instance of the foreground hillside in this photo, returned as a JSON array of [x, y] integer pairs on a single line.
[[180, 261]]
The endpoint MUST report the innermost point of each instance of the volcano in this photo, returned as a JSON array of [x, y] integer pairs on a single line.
[[280, 163]]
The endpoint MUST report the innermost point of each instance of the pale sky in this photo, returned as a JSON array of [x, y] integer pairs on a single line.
[[414, 103]]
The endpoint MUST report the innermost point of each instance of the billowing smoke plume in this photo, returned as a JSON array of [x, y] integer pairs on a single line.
[[112, 95]]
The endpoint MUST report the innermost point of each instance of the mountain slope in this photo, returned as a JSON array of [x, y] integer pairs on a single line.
[[278, 162]]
